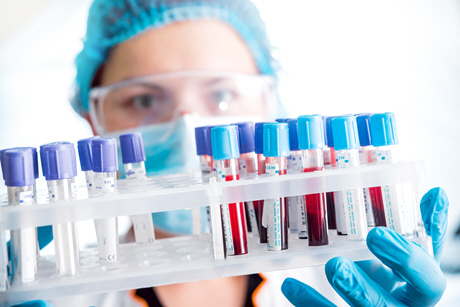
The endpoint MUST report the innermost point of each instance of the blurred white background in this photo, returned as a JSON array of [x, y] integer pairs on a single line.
[[338, 57]]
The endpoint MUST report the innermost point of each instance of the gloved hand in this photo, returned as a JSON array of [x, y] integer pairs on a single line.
[[411, 277], [34, 304]]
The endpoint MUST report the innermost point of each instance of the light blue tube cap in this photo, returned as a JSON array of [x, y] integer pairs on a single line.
[[224, 142], [311, 131], [276, 140], [345, 132], [383, 129]]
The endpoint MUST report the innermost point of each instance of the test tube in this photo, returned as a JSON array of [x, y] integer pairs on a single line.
[[259, 150], [372, 196], [18, 172], [60, 168], [346, 144], [296, 204], [248, 168], [105, 167], [133, 156], [339, 205], [275, 215], [201, 139], [385, 140], [225, 151], [331, 215], [311, 142]]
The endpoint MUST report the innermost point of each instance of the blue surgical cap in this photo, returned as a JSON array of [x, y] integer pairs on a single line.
[[112, 22]]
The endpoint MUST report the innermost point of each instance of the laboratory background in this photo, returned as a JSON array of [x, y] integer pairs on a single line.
[[337, 57]]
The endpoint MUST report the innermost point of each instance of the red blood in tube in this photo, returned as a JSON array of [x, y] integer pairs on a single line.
[[331, 221], [377, 206], [285, 220], [238, 222], [262, 229], [333, 158]]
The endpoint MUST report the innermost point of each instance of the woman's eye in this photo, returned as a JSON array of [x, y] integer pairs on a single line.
[[225, 96], [143, 102]]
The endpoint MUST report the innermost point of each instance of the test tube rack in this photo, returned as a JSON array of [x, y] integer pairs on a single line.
[[191, 258]]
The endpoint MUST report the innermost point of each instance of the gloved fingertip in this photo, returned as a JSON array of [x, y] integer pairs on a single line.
[[300, 294], [337, 267], [292, 287], [37, 303]]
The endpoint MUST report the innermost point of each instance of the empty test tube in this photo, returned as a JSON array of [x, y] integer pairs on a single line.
[[225, 151], [18, 172], [275, 212], [346, 144], [296, 204], [105, 167], [311, 142], [133, 156], [60, 168]]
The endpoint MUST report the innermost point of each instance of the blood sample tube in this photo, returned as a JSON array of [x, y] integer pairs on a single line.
[[105, 167], [275, 215], [374, 206], [225, 151], [202, 139], [60, 168], [331, 218], [339, 205], [248, 168], [296, 204], [18, 172], [259, 142], [346, 144], [385, 141], [133, 157], [311, 142]]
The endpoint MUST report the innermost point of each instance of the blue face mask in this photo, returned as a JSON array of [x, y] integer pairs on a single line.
[[170, 148]]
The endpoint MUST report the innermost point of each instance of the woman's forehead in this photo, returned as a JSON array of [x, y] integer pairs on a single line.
[[182, 46]]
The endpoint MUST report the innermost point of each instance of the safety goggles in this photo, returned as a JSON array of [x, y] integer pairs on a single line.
[[155, 99]]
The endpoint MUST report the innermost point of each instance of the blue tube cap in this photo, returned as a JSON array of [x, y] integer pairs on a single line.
[[58, 161], [276, 140], [383, 129], [224, 142], [329, 137], [1, 161], [293, 135], [105, 158], [364, 129], [259, 136], [345, 132], [283, 120], [18, 167], [132, 148], [246, 137], [311, 132], [84, 152], [201, 139]]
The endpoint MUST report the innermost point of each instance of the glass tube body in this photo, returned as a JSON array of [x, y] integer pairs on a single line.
[[23, 241], [365, 153], [233, 215], [296, 204], [65, 235], [353, 199], [260, 203], [142, 223], [106, 183], [248, 168], [331, 219], [205, 164], [275, 215], [312, 161]]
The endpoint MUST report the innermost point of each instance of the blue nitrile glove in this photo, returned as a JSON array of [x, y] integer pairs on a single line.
[[34, 304], [410, 275], [44, 236]]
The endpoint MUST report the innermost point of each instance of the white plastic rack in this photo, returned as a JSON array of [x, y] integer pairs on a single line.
[[192, 258]]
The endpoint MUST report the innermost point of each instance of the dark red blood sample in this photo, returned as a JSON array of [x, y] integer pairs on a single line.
[[262, 229], [331, 221], [283, 171], [377, 206], [284, 222], [238, 223]]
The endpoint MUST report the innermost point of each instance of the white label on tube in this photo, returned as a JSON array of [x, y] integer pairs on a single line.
[[340, 212], [296, 163], [108, 239], [301, 216], [104, 185], [143, 228], [227, 230], [355, 214], [293, 218], [136, 174], [273, 216], [28, 248], [215, 165], [252, 219], [90, 184], [368, 205], [243, 167], [394, 208], [73, 190]]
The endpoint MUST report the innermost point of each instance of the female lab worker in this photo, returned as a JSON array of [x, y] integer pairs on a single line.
[[151, 66]]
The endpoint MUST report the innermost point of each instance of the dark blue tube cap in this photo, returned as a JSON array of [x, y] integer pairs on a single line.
[[208, 140], [18, 167], [132, 148], [224, 141], [259, 137], [283, 120], [345, 132], [364, 128], [84, 152], [201, 139], [311, 132], [1, 161], [383, 129], [35, 157], [246, 137], [276, 140], [329, 138], [58, 160], [293, 134], [105, 158]]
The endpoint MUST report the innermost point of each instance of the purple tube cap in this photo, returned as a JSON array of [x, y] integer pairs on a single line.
[[132, 148], [84, 152], [105, 158], [18, 167], [246, 140], [58, 160]]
